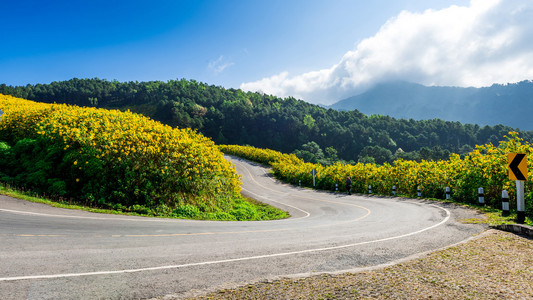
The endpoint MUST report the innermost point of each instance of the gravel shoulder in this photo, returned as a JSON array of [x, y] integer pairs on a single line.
[[493, 265]]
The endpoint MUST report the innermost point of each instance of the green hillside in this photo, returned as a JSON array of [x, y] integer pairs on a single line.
[[231, 116], [119, 160]]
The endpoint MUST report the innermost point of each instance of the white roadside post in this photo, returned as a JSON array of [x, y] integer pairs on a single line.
[[419, 191], [505, 203], [447, 193], [369, 189], [520, 203], [481, 196], [394, 190], [314, 175], [336, 187]]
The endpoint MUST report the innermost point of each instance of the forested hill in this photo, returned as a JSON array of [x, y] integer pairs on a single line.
[[231, 116]]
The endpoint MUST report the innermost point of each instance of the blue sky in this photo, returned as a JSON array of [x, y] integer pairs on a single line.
[[272, 46]]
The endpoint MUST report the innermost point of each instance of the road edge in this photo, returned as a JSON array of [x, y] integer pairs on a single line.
[[198, 293]]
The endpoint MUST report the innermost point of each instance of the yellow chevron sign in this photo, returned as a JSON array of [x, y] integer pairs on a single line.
[[517, 166]]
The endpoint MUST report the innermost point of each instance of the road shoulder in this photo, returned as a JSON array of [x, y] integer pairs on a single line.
[[492, 265]]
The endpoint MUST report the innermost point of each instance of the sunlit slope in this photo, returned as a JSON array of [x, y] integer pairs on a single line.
[[115, 159]]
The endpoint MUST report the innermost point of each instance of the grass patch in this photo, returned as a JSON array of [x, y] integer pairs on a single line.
[[494, 217], [31, 197], [246, 209], [270, 212]]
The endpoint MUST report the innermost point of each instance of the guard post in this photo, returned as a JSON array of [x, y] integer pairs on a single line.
[[520, 203], [505, 203], [313, 172]]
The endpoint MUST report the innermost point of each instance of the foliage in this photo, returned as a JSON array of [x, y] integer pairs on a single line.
[[264, 156], [486, 167], [231, 116], [118, 160]]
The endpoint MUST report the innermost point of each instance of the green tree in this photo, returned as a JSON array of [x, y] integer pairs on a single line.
[[284, 124], [313, 148], [309, 122], [331, 154], [379, 154]]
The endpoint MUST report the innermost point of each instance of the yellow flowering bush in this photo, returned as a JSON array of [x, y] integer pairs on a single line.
[[484, 167], [112, 157], [264, 156]]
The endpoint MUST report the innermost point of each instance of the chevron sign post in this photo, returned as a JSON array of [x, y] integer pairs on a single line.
[[518, 172]]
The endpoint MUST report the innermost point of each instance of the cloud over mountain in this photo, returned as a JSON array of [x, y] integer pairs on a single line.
[[487, 42]]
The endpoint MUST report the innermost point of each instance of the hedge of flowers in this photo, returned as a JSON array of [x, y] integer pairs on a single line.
[[484, 167], [117, 159]]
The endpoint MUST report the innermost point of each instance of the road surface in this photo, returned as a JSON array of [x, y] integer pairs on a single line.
[[52, 253]]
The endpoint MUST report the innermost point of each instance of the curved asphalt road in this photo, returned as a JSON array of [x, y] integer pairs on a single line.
[[51, 253]]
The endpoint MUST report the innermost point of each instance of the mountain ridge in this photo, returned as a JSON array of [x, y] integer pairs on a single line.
[[506, 104]]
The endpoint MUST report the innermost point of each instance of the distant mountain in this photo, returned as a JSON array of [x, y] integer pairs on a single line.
[[509, 104]]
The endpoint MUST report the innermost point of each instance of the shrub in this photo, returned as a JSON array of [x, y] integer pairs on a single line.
[[486, 167], [113, 159]]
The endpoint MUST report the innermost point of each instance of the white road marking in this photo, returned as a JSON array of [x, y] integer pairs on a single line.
[[307, 214], [140, 219], [55, 276]]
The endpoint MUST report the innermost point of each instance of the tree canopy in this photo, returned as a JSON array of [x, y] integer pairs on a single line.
[[232, 116]]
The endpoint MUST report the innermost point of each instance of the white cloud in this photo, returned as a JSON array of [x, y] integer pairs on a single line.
[[219, 65], [487, 42]]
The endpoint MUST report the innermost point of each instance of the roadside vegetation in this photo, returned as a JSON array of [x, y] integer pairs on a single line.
[[120, 161], [126, 162], [485, 167]]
